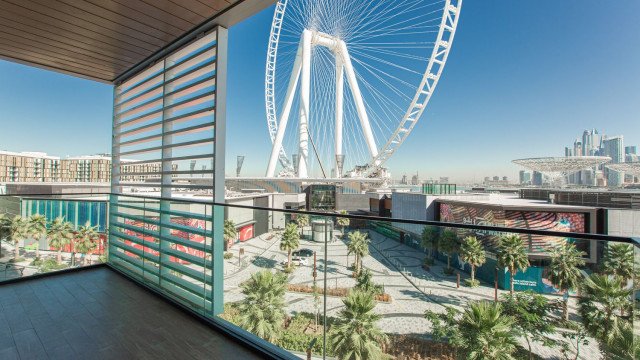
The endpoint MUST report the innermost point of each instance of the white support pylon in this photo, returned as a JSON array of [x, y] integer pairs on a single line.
[[357, 97], [339, 110], [305, 93], [302, 71], [284, 118]]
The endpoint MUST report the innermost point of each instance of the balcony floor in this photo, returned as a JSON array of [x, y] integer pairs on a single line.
[[99, 314]]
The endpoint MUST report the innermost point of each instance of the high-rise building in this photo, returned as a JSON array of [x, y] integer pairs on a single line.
[[613, 147], [568, 151], [630, 150], [536, 178], [525, 177], [591, 142], [577, 148]]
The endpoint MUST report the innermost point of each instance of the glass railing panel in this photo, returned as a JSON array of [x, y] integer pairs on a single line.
[[41, 234], [275, 271], [393, 283]]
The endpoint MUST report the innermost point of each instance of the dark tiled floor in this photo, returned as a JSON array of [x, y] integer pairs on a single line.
[[98, 314]]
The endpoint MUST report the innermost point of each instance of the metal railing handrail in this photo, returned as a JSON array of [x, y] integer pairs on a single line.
[[585, 236]]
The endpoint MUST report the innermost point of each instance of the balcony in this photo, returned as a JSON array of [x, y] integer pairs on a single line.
[[172, 277]]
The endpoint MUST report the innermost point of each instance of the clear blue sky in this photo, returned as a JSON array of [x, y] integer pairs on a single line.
[[524, 79]]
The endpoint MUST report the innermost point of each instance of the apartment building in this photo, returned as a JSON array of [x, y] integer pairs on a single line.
[[90, 168], [29, 167]]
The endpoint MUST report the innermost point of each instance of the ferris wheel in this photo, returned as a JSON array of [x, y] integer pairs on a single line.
[[346, 81]]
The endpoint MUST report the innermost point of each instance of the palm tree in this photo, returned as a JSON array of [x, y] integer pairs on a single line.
[[290, 241], [473, 254], [60, 234], [603, 301], [262, 310], [37, 229], [564, 270], [86, 241], [5, 229], [487, 332], [430, 239], [18, 230], [302, 220], [618, 260], [342, 221], [448, 244], [512, 254], [358, 245], [356, 336], [230, 232]]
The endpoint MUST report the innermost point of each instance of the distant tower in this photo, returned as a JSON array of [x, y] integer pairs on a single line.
[[613, 147]]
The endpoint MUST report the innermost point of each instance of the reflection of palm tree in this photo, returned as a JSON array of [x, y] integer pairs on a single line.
[[430, 239], [37, 229], [262, 310], [86, 240], [60, 234], [487, 332], [448, 244], [564, 270], [230, 232], [5, 229], [19, 230], [342, 221], [290, 241], [302, 220], [473, 254], [358, 245], [618, 260], [602, 303], [511, 254], [356, 335], [625, 345]]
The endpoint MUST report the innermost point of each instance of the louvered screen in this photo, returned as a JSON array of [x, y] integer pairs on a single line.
[[168, 147]]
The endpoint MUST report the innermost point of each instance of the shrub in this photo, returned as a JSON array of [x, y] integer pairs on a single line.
[[448, 271], [48, 265], [339, 292], [228, 255], [472, 283], [428, 261]]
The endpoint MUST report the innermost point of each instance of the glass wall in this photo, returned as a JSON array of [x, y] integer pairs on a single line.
[[45, 234]]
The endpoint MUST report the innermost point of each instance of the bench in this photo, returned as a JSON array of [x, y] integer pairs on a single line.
[[8, 267]]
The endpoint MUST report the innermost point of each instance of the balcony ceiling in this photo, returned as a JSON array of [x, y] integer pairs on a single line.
[[102, 39]]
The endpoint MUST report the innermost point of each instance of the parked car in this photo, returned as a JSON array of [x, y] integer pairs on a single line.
[[298, 261], [303, 253]]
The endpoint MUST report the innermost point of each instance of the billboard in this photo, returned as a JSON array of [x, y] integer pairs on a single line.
[[538, 246], [516, 218]]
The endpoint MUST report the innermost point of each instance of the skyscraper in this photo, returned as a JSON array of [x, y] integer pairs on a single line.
[[630, 150], [591, 142], [577, 148], [613, 147], [525, 177], [537, 178], [568, 151]]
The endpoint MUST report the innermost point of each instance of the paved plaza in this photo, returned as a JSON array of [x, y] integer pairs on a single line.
[[394, 265]]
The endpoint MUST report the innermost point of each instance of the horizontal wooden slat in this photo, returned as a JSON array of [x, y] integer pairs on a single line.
[[101, 39]]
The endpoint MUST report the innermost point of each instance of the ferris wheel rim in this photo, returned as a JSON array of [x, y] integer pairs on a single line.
[[440, 53]]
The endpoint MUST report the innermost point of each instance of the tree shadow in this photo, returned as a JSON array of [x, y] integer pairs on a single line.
[[432, 298], [263, 262]]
